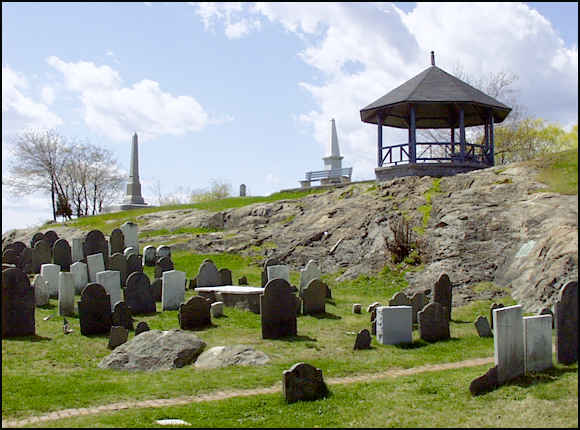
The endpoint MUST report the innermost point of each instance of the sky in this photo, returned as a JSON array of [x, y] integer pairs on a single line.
[[244, 92]]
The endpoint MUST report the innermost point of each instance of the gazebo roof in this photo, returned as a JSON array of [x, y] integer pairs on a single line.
[[437, 97]]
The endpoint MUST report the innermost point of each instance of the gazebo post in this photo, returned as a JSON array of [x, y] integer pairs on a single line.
[[491, 138], [412, 136], [462, 133], [452, 140], [380, 140]]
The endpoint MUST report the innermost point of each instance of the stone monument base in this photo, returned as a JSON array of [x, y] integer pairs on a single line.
[[125, 207]]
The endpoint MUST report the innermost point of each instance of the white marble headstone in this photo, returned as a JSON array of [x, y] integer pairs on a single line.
[[50, 274], [508, 342], [172, 289], [538, 342], [394, 324], [77, 249], [80, 276], [66, 294], [111, 281], [278, 272], [41, 294], [96, 264], [131, 233]]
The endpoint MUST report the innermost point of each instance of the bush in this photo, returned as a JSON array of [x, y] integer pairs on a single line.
[[405, 245]]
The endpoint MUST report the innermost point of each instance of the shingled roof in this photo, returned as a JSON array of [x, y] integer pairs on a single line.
[[437, 96]]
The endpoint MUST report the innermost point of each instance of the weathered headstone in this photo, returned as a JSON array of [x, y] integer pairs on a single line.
[[225, 277], [80, 274], [138, 294], [77, 253], [51, 236], [508, 341], [208, 275], [131, 233], [279, 271], [17, 246], [243, 281], [548, 311], [41, 294], [61, 254], [356, 308], [18, 303], [121, 316], [118, 262], [433, 322], [163, 251], [443, 293], [95, 264], [35, 238], [195, 314], [163, 264], [482, 327], [310, 272], [399, 299], [278, 310], [156, 289], [42, 254], [50, 274], [394, 325], [242, 190], [314, 298], [417, 303], [484, 383], [538, 343], [66, 294], [117, 241], [134, 264], [149, 256], [372, 306], [95, 243], [118, 336], [217, 309], [111, 281], [374, 321], [192, 283], [270, 261], [141, 327], [567, 324], [491, 308], [173, 290], [10, 256], [130, 250], [363, 340], [94, 310], [25, 260], [303, 382]]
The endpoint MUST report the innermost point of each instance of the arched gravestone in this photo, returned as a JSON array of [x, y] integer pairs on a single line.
[[208, 275], [61, 255], [138, 294], [278, 310], [310, 272], [41, 293], [433, 322], [18, 303], [303, 382], [131, 232], [134, 264], [141, 327], [41, 255], [195, 314], [10, 256], [548, 311], [226, 277], [163, 251], [149, 256], [417, 303], [17, 246], [442, 293], [363, 340], [51, 236], [95, 243], [122, 316], [157, 289], [94, 310], [399, 299], [35, 238], [117, 241], [567, 324], [314, 298], [130, 250], [163, 264], [271, 261], [119, 263], [25, 260]]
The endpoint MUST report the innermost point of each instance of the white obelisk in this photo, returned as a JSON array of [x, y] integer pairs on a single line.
[[334, 160]]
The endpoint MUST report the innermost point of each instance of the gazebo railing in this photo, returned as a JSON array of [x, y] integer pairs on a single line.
[[448, 152]]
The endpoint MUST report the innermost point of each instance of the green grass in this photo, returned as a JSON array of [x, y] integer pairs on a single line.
[[560, 172], [181, 230], [425, 210]]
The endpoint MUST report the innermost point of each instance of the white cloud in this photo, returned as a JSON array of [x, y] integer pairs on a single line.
[[47, 95], [235, 27], [116, 111]]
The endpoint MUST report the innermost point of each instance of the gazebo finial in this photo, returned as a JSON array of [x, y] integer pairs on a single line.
[[432, 58]]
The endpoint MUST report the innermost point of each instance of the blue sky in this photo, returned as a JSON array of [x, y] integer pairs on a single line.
[[244, 92]]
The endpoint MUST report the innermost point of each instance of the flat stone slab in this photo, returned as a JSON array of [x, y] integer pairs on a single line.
[[232, 289], [247, 298], [236, 355]]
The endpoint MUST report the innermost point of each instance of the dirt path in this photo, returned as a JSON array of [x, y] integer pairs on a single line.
[[219, 395]]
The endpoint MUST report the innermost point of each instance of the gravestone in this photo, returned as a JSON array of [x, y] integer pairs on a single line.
[[243, 281], [66, 294], [279, 271], [417, 303], [193, 283], [372, 306], [117, 336], [111, 281], [482, 327], [131, 233], [163, 264], [270, 261], [94, 310], [356, 308], [310, 272], [138, 294], [95, 264], [141, 327], [50, 274], [508, 342], [156, 289], [278, 310], [303, 382], [491, 308], [399, 299], [118, 262], [41, 294], [25, 260], [484, 383], [117, 241], [18, 303], [208, 275], [538, 343], [51, 236], [122, 316], [314, 298], [443, 294], [163, 251], [548, 311], [77, 253], [95, 243], [134, 264], [363, 340], [225, 277], [130, 250], [17, 246], [42, 254], [567, 324], [80, 274], [217, 309], [394, 325], [242, 190], [374, 321], [10, 256], [172, 290], [433, 322], [195, 314], [61, 255], [35, 238], [149, 256]]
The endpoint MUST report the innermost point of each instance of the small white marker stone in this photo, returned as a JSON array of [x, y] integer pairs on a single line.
[[172, 422]]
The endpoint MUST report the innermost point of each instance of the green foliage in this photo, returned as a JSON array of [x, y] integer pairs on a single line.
[[218, 190], [560, 172]]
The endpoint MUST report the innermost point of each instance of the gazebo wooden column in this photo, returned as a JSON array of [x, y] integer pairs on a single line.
[[412, 135], [462, 133], [379, 140], [491, 139]]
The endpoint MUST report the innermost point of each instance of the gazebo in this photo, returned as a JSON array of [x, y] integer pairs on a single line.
[[434, 99]]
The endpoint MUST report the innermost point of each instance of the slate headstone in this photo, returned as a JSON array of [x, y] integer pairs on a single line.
[[482, 327], [35, 238], [111, 281], [208, 275], [433, 322], [141, 327], [303, 382], [80, 274], [149, 256], [61, 254], [117, 241], [243, 281], [548, 311], [314, 298], [130, 250], [374, 321], [443, 293], [134, 264], [217, 309], [172, 290], [280, 271], [225, 277], [310, 272], [122, 316], [270, 261], [363, 340], [94, 310], [95, 243], [10, 256], [278, 310], [131, 233], [417, 303], [25, 261], [491, 308], [18, 303], [42, 254], [118, 336], [163, 251], [156, 289], [567, 324], [356, 308], [163, 264], [138, 294], [118, 262], [399, 299], [195, 314], [51, 236]]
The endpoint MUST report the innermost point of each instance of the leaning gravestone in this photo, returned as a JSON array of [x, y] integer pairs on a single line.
[[66, 294], [482, 327], [138, 294], [149, 256], [41, 294], [508, 341], [131, 233], [278, 310], [95, 264], [163, 251], [50, 274], [225, 277], [122, 316], [314, 298], [271, 261], [118, 336], [538, 343], [163, 264], [433, 322], [217, 309], [141, 328], [399, 299], [491, 308], [18, 303], [156, 289], [61, 254], [567, 324], [35, 238], [363, 340], [42, 254], [80, 276], [117, 241], [303, 382], [195, 314], [443, 293], [94, 310], [51, 236], [310, 272], [208, 275], [118, 262], [173, 290], [417, 303], [280, 271], [95, 243], [111, 281], [394, 325], [134, 264]]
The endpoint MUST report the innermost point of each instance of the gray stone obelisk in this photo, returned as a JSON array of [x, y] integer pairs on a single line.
[[133, 194], [334, 160]]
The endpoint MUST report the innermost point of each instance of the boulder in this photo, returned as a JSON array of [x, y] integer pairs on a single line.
[[235, 355]]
